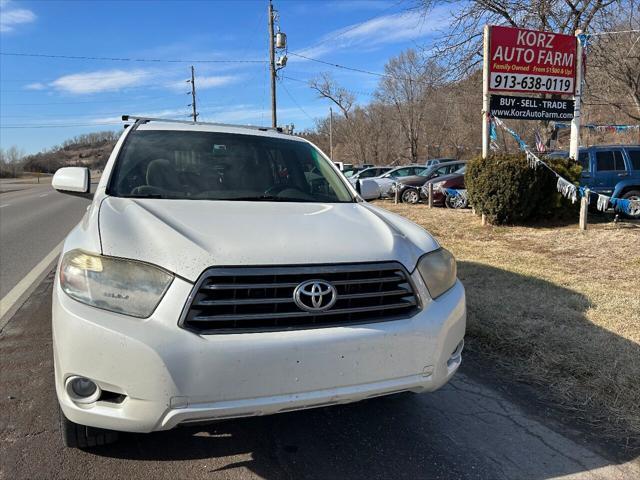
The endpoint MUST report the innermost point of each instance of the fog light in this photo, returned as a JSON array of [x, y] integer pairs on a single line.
[[83, 387], [82, 390]]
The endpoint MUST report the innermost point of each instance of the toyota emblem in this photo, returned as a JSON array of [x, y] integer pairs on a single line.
[[315, 295]]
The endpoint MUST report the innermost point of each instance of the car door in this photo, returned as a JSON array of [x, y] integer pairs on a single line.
[[633, 157], [608, 168]]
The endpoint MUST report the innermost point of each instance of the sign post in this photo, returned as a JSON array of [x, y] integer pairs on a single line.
[[574, 143], [486, 116]]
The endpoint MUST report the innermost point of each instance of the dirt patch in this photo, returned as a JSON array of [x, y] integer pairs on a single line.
[[559, 307]]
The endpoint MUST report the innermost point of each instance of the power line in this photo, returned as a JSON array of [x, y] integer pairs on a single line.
[[88, 101], [306, 82], [123, 59], [613, 33], [296, 102], [343, 67]]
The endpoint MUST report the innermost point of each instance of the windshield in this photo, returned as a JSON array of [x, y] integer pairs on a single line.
[[425, 172], [224, 166]]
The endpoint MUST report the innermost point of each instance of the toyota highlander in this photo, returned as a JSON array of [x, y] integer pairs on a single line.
[[224, 272]]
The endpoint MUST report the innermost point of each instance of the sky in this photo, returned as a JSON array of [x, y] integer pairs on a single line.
[[45, 100]]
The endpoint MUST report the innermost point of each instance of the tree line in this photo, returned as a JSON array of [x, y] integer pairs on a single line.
[[428, 103]]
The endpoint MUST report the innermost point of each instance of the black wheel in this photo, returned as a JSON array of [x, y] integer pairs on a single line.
[[410, 196], [81, 436], [633, 195]]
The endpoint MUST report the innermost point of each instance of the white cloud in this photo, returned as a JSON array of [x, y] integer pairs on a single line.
[[215, 81], [12, 16], [386, 29], [101, 81], [204, 82], [35, 86]]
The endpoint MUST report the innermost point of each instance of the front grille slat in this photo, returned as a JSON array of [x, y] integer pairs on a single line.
[[239, 318], [253, 299]]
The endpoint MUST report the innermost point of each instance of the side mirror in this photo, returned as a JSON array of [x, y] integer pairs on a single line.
[[369, 190], [72, 180]]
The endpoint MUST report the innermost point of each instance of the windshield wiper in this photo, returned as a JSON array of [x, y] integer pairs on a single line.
[[268, 198], [148, 195]]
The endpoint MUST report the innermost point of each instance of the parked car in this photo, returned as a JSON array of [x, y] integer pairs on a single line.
[[224, 272], [386, 181], [368, 173], [435, 161], [410, 186], [453, 181], [612, 170]]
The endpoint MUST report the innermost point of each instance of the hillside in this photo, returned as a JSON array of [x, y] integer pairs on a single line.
[[89, 150]]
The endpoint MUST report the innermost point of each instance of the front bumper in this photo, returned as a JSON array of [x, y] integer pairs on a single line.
[[169, 376], [438, 197]]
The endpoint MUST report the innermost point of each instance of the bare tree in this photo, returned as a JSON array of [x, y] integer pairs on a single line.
[[461, 46], [327, 87], [11, 161], [408, 79], [613, 73]]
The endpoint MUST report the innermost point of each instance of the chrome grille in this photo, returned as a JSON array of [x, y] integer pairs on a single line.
[[233, 300]]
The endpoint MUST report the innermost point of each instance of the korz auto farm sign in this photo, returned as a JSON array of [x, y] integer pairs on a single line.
[[530, 61]]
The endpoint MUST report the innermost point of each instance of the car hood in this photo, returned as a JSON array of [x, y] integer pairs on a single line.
[[445, 178], [412, 180], [188, 236]]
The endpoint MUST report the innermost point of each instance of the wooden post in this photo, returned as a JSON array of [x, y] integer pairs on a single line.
[[430, 195], [397, 192], [584, 208], [483, 220]]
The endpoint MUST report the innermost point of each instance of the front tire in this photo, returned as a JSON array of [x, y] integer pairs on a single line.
[[633, 195], [75, 435], [410, 196]]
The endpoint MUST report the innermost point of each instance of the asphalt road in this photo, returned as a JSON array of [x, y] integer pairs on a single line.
[[33, 220], [477, 427]]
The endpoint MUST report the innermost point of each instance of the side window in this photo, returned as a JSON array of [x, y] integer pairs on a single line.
[[608, 161], [634, 156], [368, 173], [583, 160], [442, 170]]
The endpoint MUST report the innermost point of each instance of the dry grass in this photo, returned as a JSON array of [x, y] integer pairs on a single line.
[[559, 307]]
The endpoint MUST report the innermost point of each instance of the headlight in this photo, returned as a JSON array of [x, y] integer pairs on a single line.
[[438, 270], [122, 286]]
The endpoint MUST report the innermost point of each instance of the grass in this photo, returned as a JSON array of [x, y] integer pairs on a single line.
[[560, 308]]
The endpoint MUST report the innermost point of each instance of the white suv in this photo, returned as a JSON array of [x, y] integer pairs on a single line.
[[226, 272]]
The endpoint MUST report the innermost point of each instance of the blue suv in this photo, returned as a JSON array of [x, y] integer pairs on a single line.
[[612, 170]]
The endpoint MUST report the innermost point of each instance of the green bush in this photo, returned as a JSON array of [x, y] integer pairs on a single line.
[[507, 190]]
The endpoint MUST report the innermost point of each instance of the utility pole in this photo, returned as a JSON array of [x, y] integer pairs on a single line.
[[272, 68], [277, 41], [193, 94], [331, 133]]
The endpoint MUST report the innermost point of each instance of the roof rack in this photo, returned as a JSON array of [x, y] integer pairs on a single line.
[[126, 118]]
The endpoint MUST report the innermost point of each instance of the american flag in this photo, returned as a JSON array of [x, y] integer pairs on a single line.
[[540, 146]]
